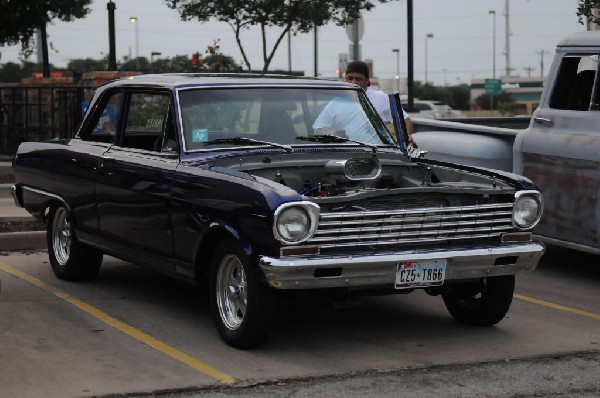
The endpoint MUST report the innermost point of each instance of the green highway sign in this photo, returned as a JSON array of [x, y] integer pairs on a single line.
[[493, 86]]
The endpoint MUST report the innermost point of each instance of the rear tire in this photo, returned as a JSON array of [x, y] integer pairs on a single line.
[[70, 259], [481, 303], [242, 306]]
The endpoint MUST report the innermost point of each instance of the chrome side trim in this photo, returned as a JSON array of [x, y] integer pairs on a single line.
[[45, 193]]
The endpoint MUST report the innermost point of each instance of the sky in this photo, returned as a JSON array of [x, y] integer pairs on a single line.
[[461, 48]]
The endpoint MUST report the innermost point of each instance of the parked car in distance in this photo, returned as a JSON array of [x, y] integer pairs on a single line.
[[432, 110], [254, 186]]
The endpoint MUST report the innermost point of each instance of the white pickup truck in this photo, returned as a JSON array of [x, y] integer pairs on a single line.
[[559, 151]]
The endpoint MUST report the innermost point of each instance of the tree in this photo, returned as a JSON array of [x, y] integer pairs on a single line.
[[586, 10], [457, 97], [25, 17], [87, 65], [217, 62], [11, 72], [295, 16], [502, 102]]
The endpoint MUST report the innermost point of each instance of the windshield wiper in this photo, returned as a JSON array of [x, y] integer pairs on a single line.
[[329, 138], [245, 141]]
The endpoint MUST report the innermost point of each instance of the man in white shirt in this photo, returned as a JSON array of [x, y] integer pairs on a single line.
[[357, 72]]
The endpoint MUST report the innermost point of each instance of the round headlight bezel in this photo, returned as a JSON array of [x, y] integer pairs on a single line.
[[307, 210], [523, 200]]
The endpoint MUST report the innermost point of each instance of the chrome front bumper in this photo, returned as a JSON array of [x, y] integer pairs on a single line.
[[380, 269]]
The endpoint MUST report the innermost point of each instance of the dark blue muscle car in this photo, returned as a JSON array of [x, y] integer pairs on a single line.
[[252, 185]]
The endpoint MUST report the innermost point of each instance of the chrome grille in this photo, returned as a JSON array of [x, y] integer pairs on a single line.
[[410, 226]]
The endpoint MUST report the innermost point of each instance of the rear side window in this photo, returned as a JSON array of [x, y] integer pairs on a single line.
[[575, 87], [105, 121]]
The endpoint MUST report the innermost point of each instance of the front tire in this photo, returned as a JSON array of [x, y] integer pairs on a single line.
[[481, 303], [242, 306], [70, 259]]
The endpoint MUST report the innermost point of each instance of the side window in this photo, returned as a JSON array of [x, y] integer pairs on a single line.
[[574, 88], [105, 121], [146, 121]]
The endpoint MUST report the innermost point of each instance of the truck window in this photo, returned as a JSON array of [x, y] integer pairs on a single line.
[[574, 88]]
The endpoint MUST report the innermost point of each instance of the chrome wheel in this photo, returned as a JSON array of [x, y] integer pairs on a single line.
[[231, 292], [61, 236]]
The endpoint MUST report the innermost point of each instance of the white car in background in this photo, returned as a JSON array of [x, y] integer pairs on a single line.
[[432, 109]]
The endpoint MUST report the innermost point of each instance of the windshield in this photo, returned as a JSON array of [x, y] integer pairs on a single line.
[[226, 117]]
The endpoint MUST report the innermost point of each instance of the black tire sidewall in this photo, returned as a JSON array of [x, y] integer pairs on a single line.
[[487, 310]]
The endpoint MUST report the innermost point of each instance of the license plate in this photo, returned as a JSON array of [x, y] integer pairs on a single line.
[[413, 274]]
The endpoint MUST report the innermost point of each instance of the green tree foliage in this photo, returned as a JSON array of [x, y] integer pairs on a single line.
[[20, 19], [295, 16], [586, 11], [11, 72], [217, 62], [87, 65], [502, 102], [140, 64], [457, 97]]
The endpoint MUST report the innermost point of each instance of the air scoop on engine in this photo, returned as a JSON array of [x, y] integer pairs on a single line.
[[355, 169]]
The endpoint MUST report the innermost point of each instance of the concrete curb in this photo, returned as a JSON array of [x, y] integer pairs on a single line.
[[28, 240]]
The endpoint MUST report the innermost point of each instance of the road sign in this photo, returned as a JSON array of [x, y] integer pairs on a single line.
[[493, 86]]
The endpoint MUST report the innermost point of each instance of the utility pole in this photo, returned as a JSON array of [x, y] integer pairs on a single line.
[[409, 55], [528, 69], [316, 45], [507, 38], [541, 52]]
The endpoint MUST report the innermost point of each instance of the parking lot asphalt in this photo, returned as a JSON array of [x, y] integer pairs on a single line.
[[18, 229]]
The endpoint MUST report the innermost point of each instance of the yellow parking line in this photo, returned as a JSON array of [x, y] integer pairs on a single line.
[[557, 306], [123, 327]]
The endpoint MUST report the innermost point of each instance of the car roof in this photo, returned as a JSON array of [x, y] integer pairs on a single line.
[[182, 80]]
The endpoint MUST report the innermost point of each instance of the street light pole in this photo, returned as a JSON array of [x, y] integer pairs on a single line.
[[397, 51], [493, 13], [112, 57], [427, 36], [137, 48]]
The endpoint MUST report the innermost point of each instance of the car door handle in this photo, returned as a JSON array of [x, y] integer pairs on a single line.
[[543, 120], [104, 161]]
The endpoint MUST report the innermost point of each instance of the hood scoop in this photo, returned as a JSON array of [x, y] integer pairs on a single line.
[[355, 169]]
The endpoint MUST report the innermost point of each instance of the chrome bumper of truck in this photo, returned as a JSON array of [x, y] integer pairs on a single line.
[[380, 269]]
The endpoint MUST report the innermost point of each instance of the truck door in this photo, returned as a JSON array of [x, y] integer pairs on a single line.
[[560, 152]]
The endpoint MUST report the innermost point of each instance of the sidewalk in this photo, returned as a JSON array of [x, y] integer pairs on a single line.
[[18, 229]]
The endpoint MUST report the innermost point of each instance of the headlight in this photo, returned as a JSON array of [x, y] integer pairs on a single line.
[[296, 222], [527, 209]]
